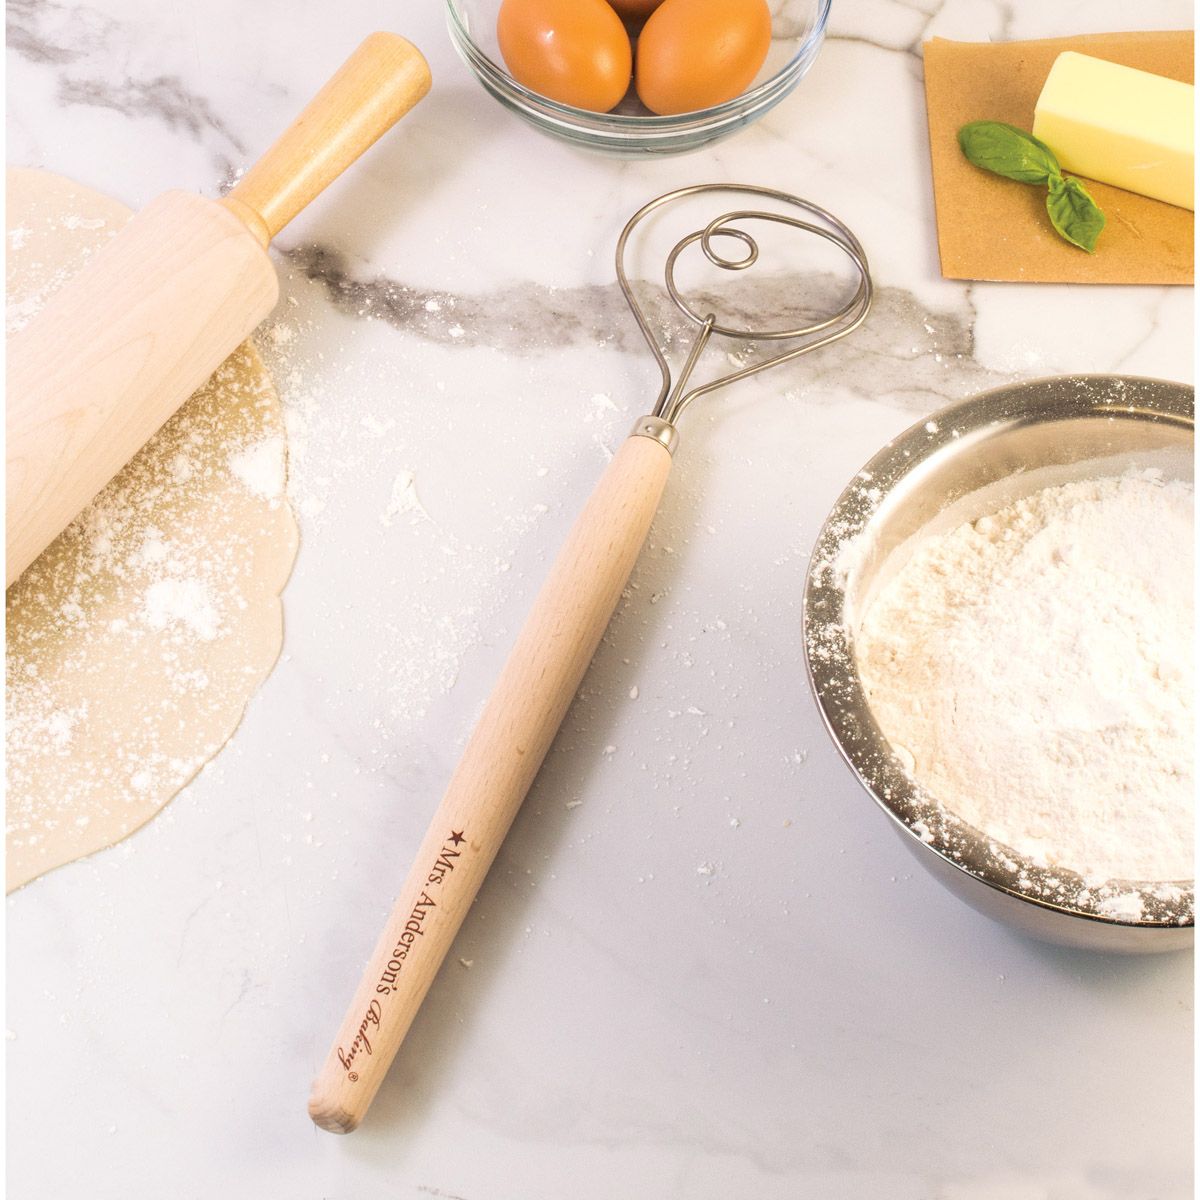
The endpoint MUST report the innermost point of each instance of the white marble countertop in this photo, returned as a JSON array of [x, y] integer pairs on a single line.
[[703, 965]]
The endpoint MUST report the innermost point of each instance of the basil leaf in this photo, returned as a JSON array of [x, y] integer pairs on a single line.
[[1074, 213], [1015, 154], [1008, 151]]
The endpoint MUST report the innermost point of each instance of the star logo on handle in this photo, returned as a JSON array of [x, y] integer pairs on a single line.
[[456, 837]]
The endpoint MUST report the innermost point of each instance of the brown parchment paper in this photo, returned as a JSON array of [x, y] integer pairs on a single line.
[[993, 228]]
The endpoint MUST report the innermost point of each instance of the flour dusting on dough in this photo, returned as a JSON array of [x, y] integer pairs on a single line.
[[261, 468], [136, 638]]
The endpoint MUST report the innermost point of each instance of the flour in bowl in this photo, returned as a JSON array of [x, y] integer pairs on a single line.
[[1033, 672]]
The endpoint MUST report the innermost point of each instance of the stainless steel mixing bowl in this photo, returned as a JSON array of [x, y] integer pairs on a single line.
[[965, 460]]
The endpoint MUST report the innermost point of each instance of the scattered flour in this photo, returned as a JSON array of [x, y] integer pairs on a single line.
[[1032, 670], [187, 602], [404, 498], [262, 468], [75, 221]]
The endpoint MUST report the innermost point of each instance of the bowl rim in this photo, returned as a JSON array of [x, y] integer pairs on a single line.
[[848, 720], [738, 108]]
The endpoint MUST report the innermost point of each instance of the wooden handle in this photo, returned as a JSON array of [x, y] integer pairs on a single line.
[[375, 87], [519, 722]]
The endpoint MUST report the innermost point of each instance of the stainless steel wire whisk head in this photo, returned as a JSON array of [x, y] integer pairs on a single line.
[[673, 399]]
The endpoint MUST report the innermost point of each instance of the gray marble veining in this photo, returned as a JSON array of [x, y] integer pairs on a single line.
[[935, 349]]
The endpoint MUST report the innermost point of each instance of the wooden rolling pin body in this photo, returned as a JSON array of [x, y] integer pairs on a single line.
[[117, 351], [120, 347]]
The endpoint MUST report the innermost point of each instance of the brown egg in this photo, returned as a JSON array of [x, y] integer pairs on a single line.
[[696, 53], [574, 51], [635, 10]]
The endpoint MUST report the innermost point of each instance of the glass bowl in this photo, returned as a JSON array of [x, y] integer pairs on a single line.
[[797, 30], [963, 461]]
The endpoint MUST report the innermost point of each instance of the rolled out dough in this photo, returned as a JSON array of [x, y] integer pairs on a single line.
[[136, 639]]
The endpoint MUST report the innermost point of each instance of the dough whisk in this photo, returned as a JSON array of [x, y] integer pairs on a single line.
[[553, 650]]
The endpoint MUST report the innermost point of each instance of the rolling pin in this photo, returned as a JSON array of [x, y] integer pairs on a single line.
[[113, 355]]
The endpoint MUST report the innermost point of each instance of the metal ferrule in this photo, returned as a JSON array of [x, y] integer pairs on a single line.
[[661, 431]]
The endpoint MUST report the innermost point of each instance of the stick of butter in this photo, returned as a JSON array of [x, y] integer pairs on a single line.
[[1120, 126]]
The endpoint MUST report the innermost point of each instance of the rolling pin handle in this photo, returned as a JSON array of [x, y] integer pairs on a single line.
[[374, 88]]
